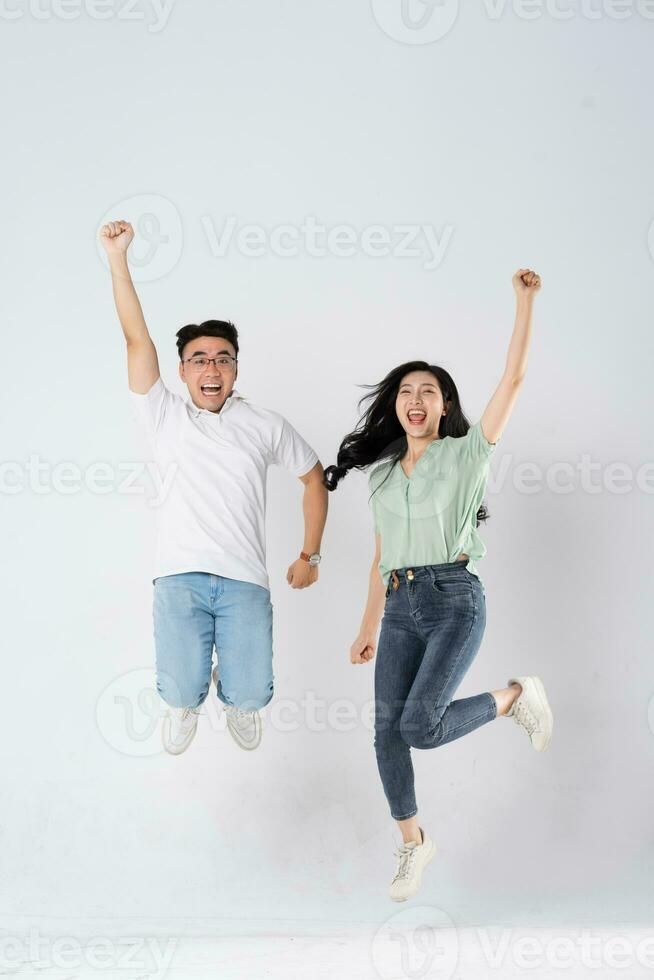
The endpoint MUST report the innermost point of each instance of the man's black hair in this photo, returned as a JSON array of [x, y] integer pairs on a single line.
[[210, 328]]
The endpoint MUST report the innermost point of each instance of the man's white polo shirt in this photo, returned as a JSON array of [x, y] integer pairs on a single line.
[[212, 518]]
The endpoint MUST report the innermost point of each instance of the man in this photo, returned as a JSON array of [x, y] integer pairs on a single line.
[[210, 582]]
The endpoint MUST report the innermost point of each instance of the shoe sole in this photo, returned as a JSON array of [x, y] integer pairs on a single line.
[[539, 692], [430, 857], [241, 745]]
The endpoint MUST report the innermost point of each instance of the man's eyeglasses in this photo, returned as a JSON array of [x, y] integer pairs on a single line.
[[200, 363]]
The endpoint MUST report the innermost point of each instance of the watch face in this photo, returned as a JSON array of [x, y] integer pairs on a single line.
[[314, 559]]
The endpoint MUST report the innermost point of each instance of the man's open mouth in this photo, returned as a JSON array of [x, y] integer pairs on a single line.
[[211, 391], [416, 417]]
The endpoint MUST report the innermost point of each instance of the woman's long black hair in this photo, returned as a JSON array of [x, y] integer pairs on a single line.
[[379, 435]]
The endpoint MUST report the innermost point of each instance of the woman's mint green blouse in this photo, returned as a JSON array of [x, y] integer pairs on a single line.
[[430, 517]]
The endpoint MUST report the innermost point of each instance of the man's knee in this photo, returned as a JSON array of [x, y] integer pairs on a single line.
[[180, 692], [249, 696]]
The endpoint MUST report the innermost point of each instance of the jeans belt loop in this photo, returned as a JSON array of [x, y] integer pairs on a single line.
[[396, 581]]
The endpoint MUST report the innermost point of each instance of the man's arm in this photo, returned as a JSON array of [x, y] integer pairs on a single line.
[[142, 361], [314, 505]]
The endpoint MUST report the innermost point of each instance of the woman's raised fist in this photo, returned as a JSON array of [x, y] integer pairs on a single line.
[[116, 236]]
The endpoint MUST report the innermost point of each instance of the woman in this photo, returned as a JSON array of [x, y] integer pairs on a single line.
[[426, 501]]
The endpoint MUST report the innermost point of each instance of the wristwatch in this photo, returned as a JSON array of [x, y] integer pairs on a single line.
[[312, 559]]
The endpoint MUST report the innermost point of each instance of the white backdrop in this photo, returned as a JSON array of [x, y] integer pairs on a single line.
[[503, 140]]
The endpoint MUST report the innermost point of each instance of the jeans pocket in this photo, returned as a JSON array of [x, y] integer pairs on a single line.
[[452, 585]]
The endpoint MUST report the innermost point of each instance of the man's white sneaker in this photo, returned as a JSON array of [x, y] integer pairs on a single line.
[[178, 729], [413, 859], [244, 726], [532, 711]]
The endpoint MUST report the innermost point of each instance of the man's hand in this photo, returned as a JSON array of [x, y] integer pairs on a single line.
[[116, 237], [301, 574]]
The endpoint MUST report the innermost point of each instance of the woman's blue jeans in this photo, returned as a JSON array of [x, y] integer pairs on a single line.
[[431, 629]]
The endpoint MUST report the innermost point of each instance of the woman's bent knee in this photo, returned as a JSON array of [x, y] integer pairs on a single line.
[[419, 731]]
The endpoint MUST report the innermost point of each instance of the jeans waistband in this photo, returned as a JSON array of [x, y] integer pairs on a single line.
[[410, 574]]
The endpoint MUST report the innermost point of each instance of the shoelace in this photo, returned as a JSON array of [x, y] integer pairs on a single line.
[[405, 866], [241, 716], [523, 716], [186, 714]]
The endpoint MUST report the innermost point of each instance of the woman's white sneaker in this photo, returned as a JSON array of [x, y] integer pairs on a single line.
[[532, 711], [179, 728], [413, 858], [244, 726]]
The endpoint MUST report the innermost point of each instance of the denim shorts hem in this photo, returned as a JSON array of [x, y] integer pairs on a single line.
[[228, 704]]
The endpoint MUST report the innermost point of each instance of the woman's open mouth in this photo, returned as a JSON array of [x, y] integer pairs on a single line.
[[416, 417]]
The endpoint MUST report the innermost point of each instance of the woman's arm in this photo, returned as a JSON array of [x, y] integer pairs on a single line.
[[526, 284], [363, 648], [142, 361]]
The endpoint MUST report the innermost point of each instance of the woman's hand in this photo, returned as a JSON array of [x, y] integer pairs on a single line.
[[526, 281], [116, 236], [363, 649]]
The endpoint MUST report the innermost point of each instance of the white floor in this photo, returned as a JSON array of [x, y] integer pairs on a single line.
[[411, 943]]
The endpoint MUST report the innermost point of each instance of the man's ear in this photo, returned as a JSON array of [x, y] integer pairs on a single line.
[[181, 370]]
